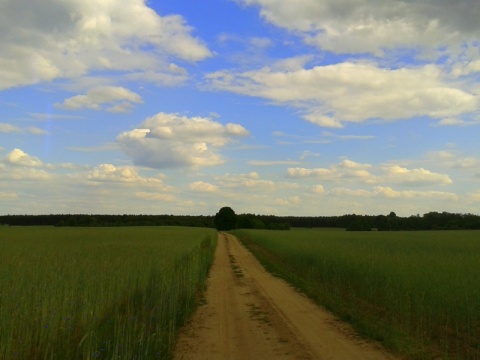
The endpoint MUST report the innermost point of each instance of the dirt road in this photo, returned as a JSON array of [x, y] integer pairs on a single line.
[[250, 314]]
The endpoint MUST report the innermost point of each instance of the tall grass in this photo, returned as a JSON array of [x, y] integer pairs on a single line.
[[417, 292], [98, 293]]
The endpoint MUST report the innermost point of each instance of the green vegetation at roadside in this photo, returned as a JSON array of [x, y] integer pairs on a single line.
[[416, 292], [99, 293]]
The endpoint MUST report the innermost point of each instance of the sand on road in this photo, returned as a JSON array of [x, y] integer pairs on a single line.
[[250, 314]]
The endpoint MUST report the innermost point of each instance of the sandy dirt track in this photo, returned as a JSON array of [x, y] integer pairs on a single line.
[[250, 314]]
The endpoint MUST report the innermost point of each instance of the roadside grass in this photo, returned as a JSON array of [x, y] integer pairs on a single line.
[[416, 292], [99, 293]]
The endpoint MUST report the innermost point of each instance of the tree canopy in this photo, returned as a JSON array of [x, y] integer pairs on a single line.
[[225, 219]]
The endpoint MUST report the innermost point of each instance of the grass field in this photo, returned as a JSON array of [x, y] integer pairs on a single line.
[[417, 292], [98, 293]]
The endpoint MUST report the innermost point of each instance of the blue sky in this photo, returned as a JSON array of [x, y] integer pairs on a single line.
[[278, 107]]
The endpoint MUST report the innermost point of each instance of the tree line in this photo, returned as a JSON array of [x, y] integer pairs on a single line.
[[107, 220], [353, 222]]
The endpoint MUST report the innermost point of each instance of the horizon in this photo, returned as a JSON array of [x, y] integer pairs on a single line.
[[269, 107], [241, 213]]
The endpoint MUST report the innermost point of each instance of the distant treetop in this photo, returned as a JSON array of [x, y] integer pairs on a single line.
[[225, 219]]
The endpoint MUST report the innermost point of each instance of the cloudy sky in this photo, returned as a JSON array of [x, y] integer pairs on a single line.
[[305, 107]]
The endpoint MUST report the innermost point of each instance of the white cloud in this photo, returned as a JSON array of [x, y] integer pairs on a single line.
[[49, 39], [471, 67], [201, 186], [345, 170], [128, 175], [50, 116], [18, 165], [25, 174], [64, 166], [348, 170], [451, 122], [403, 176], [441, 155], [19, 157], [369, 26], [4, 195], [8, 128], [474, 196], [457, 122], [261, 43], [318, 189], [155, 196], [290, 201], [333, 95], [170, 140], [433, 195], [303, 172], [272, 163], [118, 98], [250, 180], [36, 131], [343, 192], [356, 137], [453, 159], [389, 193]]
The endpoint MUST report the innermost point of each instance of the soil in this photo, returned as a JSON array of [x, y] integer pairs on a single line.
[[250, 314]]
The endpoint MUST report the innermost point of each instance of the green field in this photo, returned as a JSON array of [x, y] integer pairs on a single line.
[[98, 293], [417, 292]]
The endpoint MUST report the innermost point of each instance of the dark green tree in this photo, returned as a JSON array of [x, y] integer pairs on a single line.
[[225, 219]]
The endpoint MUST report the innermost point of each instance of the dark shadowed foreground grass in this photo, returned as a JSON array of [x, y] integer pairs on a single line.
[[98, 293], [417, 292]]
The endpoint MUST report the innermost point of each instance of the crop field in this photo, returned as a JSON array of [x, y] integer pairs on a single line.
[[98, 293], [417, 292]]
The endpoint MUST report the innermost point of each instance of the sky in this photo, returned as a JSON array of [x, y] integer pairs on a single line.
[[305, 107]]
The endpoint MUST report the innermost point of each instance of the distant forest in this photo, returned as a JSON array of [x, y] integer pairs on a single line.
[[352, 222]]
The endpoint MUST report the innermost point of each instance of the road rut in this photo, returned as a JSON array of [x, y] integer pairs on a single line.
[[250, 314]]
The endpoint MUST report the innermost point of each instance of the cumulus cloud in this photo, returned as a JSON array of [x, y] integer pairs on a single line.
[[171, 140], [36, 131], [201, 186], [250, 180], [390, 193], [18, 165], [290, 201], [333, 95], [366, 173], [25, 173], [272, 162], [457, 122], [21, 158], [4, 195], [154, 196], [344, 192], [304, 172], [467, 68], [118, 99], [453, 159], [346, 169], [108, 173], [403, 176], [474, 196], [369, 26], [8, 128], [48, 39]]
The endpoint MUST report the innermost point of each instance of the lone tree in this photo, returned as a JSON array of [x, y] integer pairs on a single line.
[[225, 219]]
